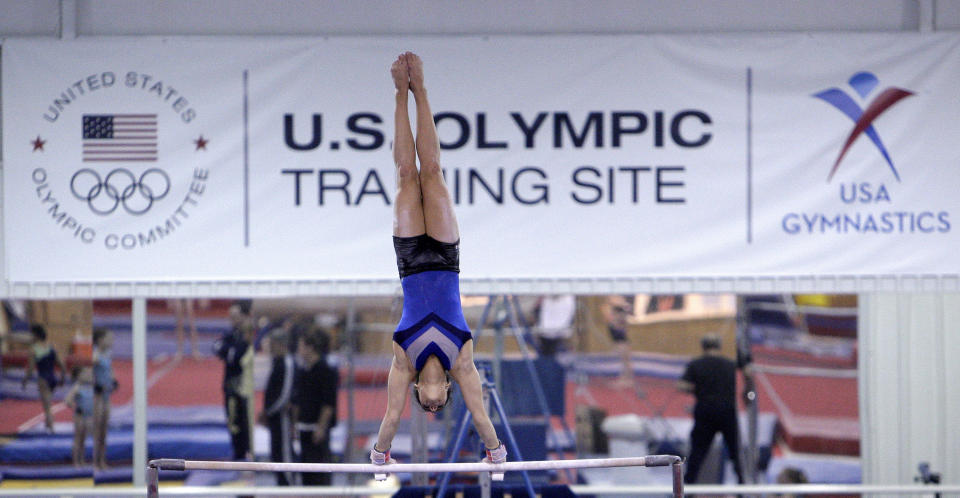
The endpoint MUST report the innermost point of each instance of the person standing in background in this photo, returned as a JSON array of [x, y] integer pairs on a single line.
[[104, 384], [80, 400], [43, 360], [616, 310], [315, 400], [555, 315], [712, 379], [236, 351], [183, 311], [276, 402]]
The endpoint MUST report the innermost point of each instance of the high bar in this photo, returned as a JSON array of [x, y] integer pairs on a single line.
[[644, 461]]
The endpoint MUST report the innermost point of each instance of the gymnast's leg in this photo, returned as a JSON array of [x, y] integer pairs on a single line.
[[407, 210], [439, 218]]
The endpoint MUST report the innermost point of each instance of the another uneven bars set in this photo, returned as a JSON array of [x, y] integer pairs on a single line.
[[155, 466]]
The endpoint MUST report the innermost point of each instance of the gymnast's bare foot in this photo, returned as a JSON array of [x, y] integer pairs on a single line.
[[399, 72], [415, 69]]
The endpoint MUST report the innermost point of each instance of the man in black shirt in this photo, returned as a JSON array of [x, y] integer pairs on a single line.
[[712, 379], [315, 397], [276, 403]]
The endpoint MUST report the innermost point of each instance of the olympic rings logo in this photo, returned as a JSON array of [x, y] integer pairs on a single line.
[[120, 187]]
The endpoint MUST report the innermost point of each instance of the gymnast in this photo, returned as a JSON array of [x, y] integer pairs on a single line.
[[432, 342]]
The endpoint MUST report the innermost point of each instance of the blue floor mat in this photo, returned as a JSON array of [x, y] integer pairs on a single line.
[[190, 442]]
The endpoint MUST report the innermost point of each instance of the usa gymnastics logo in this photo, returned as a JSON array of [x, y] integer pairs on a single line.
[[866, 207], [863, 83]]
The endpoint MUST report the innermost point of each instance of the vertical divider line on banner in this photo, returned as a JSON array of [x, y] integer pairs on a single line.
[[246, 160], [749, 155]]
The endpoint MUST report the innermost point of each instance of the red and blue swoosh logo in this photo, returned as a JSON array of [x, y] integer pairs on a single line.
[[863, 83]]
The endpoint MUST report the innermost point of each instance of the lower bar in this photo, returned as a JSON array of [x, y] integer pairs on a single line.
[[653, 461], [155, 466]]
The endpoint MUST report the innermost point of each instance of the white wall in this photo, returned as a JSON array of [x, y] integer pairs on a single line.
[[416, 17]]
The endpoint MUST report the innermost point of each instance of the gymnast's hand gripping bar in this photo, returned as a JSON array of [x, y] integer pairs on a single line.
[[154, 466]]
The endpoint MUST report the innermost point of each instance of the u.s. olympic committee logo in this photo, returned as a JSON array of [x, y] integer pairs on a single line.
[[112, 159]]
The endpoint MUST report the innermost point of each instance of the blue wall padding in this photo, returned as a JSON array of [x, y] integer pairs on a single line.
[[517, 387]]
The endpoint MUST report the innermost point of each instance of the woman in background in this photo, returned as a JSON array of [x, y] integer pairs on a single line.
[[43, 360]]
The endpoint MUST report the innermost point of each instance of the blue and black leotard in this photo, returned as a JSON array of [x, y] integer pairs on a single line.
[[432, 322], [45, 361]]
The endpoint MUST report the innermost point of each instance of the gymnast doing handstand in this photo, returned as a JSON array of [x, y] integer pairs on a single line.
[[432, 343]]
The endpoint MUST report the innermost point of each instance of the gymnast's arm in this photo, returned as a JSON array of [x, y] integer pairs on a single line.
[[465, 373], [398, 386]]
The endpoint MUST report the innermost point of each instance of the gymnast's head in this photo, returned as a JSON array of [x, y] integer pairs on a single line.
[[432, 387]]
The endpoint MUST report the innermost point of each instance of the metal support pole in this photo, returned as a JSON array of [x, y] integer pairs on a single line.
[[418, 439], [677, 479], [516, 322], [458, 442], [350, 336], [68, 19], [749, 460], [927, 17], [498, 320], [153, 481], [513, 441], [485, 477], [139, 320]]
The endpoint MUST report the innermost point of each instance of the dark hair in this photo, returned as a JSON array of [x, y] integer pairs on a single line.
[[245, 305], [792, 475], [99, 334], [318, 340], [710, 342], [38, 332], [416, 395]]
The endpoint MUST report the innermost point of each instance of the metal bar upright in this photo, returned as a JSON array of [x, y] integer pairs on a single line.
[[139, 320], [457, 444], [350, 343], [516, 321], [513, 441], [677, 468]]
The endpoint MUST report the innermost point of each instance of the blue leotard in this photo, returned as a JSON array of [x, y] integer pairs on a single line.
[[432, 322], [103, 373], [83, 400], [45, 360]]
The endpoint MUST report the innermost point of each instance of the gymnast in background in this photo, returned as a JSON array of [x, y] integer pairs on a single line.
[[432, 342], [43, 360]]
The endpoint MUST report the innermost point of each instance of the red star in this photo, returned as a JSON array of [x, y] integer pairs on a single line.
[[201, 143], [38, 143]]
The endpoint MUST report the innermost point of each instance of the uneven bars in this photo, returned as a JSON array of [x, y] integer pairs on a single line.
[[154, 466]]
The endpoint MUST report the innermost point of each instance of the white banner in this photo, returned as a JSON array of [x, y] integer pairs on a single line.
[[568, 157]]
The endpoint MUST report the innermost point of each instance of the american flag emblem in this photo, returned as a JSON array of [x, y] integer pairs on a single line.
[[119, 137]]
